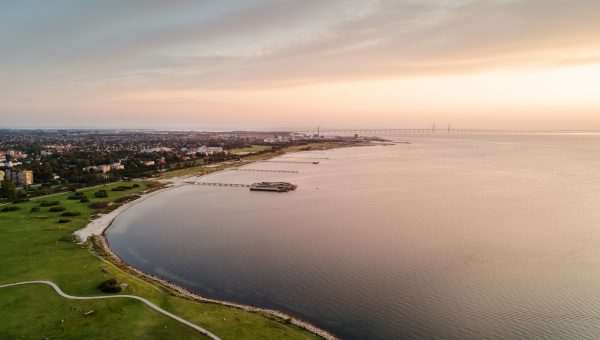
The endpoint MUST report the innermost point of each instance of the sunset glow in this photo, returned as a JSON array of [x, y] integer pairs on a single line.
[[279, 64]]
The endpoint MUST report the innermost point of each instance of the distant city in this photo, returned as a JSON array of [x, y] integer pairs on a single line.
[[41, 162]]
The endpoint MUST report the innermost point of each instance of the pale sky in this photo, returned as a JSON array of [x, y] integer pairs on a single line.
[[268, 64]]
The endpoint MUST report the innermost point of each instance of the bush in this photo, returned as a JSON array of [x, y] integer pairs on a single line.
[[10, 208], [20, 200], [101, 194], [135, 185], [71, 213], [77, 196], [155, 184], [99, 205], [127, 198], [57, 209], [84, 200], [69, 238], [35, 209], [49, 203], [64, 221], [109, 286], [121, 188]]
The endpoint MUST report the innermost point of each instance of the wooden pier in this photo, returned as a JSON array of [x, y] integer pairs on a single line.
[[267, 170], [304, 157], [217, 184], [298, 162]]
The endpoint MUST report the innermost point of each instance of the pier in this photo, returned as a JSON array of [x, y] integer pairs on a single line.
[[267, 170], [298, 162], [305, 157], [217, 184]]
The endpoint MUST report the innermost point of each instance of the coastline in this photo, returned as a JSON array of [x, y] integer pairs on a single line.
[[96, 232]]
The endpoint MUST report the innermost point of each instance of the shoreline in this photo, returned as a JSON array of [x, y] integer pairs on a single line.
[[96, 231]]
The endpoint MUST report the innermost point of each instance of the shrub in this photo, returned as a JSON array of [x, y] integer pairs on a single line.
[[84, 200], [101, 194], [57, 209], [122, 188], [71, 213], [49, 203], [68, 238], [99, 205], [135, 185], [20, 200], [10, 208], [77, 196], [64, 221], [155, 184], [35, 209], [109, 286], [127, 198]]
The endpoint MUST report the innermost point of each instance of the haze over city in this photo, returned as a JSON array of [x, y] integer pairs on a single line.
[[294, 64]]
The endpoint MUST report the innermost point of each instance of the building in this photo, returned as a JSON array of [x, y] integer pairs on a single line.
[[22, 177], [148, 163], [97, 168], [117, 166], [103, 168], [214, 149], [25, 177], [9, 164]]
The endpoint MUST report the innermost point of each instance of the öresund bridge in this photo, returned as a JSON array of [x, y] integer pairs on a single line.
[[431, 130]]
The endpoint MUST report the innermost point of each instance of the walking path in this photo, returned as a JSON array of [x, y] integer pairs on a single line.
[[150, 304]]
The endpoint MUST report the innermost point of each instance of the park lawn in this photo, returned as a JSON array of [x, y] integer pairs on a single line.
[[314, 147], [33, 246], [195, 170], [252, 149]]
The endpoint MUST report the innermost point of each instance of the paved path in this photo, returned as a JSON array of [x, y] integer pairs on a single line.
[[150, 304]]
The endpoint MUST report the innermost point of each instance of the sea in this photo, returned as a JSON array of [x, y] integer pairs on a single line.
[[436, 236]]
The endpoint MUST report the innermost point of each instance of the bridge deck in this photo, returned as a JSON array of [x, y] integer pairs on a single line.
[[217, 184], [267, 170]]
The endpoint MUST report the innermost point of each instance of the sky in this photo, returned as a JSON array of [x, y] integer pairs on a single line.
[[289, 64]]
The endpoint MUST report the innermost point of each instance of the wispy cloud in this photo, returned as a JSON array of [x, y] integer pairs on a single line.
[[185, 44], [63, 50]]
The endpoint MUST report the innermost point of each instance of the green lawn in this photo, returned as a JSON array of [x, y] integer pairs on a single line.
[[252, 148], [33, 246]]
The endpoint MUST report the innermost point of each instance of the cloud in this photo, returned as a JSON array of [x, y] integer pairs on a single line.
[[110, 46]]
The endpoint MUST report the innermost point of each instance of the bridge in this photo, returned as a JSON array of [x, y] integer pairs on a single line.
[[404, 131], [267, 170], [217, 184], [303, 157], [297, 162]]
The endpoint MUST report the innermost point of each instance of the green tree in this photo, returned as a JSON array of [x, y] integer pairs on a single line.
[[8, 188]]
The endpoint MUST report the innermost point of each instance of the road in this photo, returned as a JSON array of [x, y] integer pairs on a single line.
[[150, 304]]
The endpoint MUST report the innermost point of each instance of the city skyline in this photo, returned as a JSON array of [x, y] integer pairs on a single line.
[[285, 64]]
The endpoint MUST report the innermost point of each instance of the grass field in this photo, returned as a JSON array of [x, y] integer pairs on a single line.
[[34, 246], [253, 148]]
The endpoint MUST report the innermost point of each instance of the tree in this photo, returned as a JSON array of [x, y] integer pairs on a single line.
[[8, 188], [109, 286]]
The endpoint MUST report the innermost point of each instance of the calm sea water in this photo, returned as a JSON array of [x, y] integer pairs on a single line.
[[448, 237]]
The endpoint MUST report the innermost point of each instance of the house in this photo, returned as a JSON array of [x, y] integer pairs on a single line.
[[22, 177], [214, 149], [103, 168], [117, 166], [9, 164], [25, 177]]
